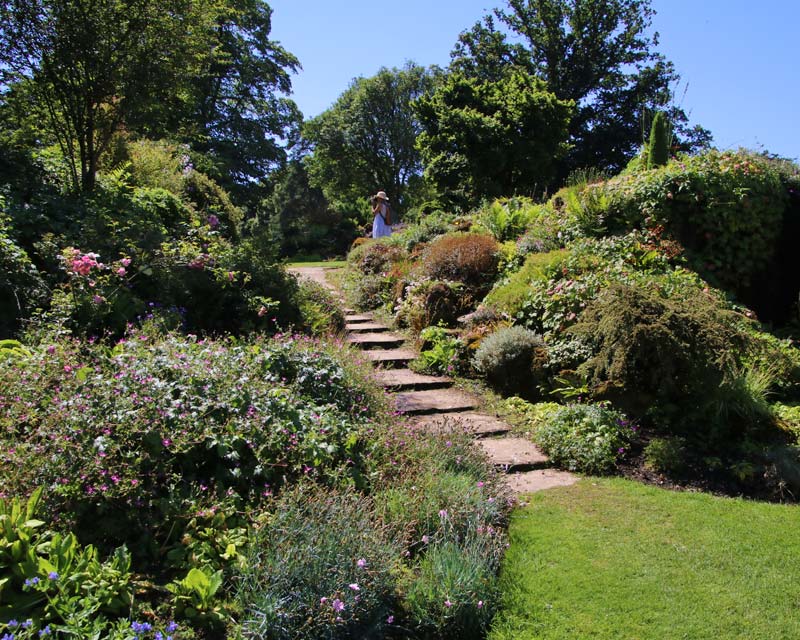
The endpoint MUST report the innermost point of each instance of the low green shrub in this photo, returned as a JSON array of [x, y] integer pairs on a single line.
[[508, 295], [441, 353], [431, 302], [666, 455], [585, 438], [511, 359], [321, 313], [318, 567]]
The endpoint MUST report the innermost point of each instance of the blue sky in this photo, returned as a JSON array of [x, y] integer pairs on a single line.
[[739, 60]]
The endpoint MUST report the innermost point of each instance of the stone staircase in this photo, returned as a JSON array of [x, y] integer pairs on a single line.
[[433, 404]]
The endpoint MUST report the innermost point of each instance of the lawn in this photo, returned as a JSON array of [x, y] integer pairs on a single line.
[[328, 264], [615, 559]]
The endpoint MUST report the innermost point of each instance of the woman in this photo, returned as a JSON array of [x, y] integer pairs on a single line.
[[381, 225]]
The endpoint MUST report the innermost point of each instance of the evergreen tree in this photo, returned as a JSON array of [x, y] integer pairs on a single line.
[[658, 147]]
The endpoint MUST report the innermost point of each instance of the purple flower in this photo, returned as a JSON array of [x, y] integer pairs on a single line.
[[361, 563], [213, 221], [338, 605]]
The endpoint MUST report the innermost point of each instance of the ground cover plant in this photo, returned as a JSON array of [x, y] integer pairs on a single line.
[[169, 467], [611, 558]]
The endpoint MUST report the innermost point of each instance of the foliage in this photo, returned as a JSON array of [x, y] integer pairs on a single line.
[[470, 259], [319, 310], [51, 578], [666, 455], [657, 349], [506, 218], [90, 64], [490, 138], [455, 592], [432, 225], [319, 566], [21, 285], [658, 145], [509, 294], [596, 53], [365, 141], [374, 257], [724, 208], [511, 359], [584, 437], [426, 303], [174, 421], [442, 352]]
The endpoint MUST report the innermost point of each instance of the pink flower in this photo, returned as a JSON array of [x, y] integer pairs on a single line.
[[480, 604], [98, 299], [121, 271], [390, 620], [337, 605], [354, 586], [443, 513], [447, 603], [361, 563], [125, 262]]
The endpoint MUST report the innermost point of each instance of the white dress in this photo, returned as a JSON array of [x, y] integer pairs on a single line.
[[379, 226]]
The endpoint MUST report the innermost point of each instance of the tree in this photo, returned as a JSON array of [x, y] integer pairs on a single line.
[[594, 52], [90, 63], [485, 138], [658, 146], [365, 141]]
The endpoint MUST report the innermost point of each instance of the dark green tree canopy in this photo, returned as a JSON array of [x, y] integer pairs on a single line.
[[366, 140], [595, 52], [487, 138]]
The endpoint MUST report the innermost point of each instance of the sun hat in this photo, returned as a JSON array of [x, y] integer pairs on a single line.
[[382, 195]]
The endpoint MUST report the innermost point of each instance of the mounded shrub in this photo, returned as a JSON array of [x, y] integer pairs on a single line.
[[471, 259], [508, 296], [511, 359], [431, 302], [584, 437]]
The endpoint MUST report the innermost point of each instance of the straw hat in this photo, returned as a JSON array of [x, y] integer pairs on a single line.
[[382, 195]]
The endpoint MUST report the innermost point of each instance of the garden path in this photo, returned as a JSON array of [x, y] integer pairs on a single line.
[[433, 404]]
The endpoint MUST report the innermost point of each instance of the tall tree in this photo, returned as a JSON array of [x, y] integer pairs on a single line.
[[92, 62], [487, 138], [365, 141], [595, 52]]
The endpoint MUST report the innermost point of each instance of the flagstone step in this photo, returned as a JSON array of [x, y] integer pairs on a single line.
[[434, 401], [352, 318], [406, 379], [375, 340], [539, 480], [513, 454], [363, 327], [479, 424], [391, 358]]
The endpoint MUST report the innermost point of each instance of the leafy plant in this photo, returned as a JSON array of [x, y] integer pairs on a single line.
[[511, 359], [195, 597], [443, 352], [584, 437]]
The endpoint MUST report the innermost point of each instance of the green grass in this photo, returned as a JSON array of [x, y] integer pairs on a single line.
[[615, 559], [329, 264]]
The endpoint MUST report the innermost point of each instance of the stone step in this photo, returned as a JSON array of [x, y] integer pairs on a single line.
[[375, 340], [352, 318], [539, 480], [479, 424], [434, 401], [390, 358], [364, 327], [406, 379], [513, 454]]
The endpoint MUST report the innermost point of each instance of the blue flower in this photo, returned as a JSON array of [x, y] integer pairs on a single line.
[[45, 632], [31, 581], [52, 575]]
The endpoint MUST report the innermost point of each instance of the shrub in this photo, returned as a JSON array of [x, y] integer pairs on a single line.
[[651, 349], [658, 145], [429, 227], [441, 353], [319, 567], [320, 311], [725, 208], [156, 163], [137, 435], [429, 302], [508, 296], [586, 438], [511, 360], [666, 455], [506, 218], [467, 258], [22, 288], [374, 258]]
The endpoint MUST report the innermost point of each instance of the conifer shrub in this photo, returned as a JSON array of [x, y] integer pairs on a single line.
[[658, 145], [651, 351], [471, 259], [512, 360]]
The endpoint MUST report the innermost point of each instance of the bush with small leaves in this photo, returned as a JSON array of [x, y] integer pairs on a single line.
[[584, 437], [471, 259], [512, 359]]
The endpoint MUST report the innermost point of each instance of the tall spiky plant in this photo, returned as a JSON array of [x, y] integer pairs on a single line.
[[658, 147]]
